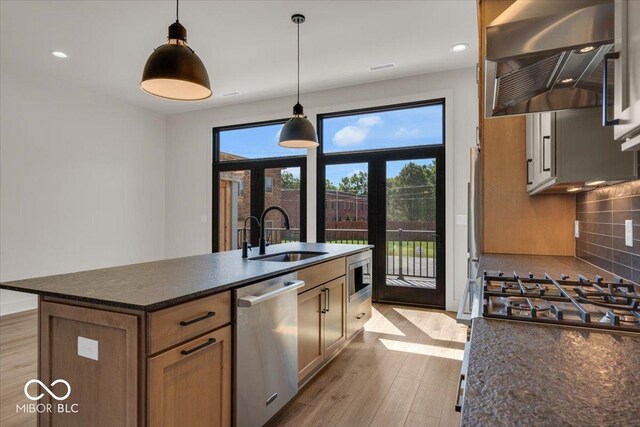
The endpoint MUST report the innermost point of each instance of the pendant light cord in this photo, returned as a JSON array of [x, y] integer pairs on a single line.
[[177, 2], [298, 100]]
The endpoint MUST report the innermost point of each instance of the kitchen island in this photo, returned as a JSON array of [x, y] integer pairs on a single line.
[[152, 343]]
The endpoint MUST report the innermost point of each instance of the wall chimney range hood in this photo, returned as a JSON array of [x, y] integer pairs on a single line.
[[546, 55]]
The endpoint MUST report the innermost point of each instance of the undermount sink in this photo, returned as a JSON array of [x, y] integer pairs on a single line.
[[288, 256]]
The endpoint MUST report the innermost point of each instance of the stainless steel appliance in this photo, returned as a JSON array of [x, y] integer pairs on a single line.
[[548, 55], [359, 291], [359, 275], [590, 303], [474, 211], [266, 337]]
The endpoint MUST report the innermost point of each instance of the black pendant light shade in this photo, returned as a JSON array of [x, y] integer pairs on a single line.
[[298, 132], [174, 71]]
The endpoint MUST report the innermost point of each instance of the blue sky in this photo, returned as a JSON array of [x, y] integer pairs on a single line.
[[387, 129]]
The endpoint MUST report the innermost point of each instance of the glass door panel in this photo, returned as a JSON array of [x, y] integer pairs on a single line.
[[282, 187], [347, 203], [412, 233], [234, 206]]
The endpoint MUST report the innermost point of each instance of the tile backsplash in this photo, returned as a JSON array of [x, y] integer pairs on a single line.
[[602, 213]]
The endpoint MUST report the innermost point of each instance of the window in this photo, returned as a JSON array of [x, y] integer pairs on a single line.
[[251, 172], [391, 128], [253, 142]]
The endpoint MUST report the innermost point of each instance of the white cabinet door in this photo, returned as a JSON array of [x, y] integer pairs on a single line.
[[627, 73], [545, 150], [532, 120]]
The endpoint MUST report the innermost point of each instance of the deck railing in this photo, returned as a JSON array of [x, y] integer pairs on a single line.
[[410, 253]]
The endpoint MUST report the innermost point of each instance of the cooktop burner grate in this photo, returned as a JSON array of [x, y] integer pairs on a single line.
[[598, 304]]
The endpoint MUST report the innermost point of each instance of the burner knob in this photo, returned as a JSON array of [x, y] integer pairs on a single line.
[[530, 275]]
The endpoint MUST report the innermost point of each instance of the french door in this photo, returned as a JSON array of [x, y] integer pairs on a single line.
[[396, 203]]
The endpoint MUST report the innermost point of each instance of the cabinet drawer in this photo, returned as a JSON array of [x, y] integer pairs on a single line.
[[321, 273], [357, 316], [179, 323]]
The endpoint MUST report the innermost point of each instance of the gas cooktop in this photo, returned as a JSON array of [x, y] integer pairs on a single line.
[[592, 303]]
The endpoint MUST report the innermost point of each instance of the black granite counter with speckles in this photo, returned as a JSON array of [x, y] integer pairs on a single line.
[[153, 285], [525, 374]]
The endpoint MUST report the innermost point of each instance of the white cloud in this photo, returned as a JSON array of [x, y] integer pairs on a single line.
[[293, 171], [355, 135], [369, 121], [406, 133], [350, 135]]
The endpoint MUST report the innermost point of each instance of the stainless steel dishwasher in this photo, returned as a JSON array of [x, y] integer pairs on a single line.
[[266, 348]]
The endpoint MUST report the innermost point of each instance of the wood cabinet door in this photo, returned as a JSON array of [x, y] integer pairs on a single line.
[[102, 382], [310, 331], [190, 385], [335, 315]]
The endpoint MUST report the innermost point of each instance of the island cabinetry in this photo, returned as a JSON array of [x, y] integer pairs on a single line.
[[97, 353], [181, 322], [321, 315], [190, 385]]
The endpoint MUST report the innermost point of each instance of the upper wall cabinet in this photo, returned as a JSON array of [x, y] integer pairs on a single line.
[[627, 74], [567, 150]]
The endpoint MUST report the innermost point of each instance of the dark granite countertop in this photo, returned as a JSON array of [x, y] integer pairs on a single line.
[[153, 285], [537, 375], [541, 264]]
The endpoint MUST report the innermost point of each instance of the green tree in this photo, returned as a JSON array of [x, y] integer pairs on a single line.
[[355, 184], [411, 194], [329, 185], [289, 182]]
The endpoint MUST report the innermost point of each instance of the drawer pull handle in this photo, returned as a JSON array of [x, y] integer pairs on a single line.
[[361, 315], [197, 319], [459, 394], [203, 345]]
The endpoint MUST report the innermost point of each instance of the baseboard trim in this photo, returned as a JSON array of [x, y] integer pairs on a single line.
[[18, 305]]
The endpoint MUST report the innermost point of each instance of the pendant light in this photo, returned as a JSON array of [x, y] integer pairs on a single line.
[[174, 71], [298, 132]]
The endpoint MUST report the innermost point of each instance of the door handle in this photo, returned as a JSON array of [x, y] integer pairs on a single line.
[[197, 319], [605, 80], [251, 300], [327, 298], [196, 348], [544, 152], [528, 172], [325, 302]]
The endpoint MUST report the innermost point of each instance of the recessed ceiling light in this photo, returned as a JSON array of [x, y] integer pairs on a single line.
[[586, 49], [574, 189], [382, 67], [234, 93], [58, 54], [568, 80], [594, 183], [459, 47]]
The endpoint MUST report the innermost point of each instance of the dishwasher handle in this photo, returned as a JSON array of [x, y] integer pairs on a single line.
[[251, 300]]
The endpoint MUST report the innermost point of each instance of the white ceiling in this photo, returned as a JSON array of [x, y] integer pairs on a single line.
[[247, 46]]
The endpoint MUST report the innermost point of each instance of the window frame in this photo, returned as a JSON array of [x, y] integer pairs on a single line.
[[257, 168]]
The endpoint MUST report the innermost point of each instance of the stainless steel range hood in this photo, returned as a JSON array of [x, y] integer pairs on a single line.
[[545, 55]]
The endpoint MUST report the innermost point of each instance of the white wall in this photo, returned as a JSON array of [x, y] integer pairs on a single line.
[[189, 156], [82, 182]]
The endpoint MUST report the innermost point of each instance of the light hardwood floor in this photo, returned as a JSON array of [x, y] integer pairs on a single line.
[[18, 364], [401, 371]]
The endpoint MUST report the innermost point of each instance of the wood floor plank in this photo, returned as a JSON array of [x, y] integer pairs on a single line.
[[18, 364], [394, 409], [419, 420], [431, 395]]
